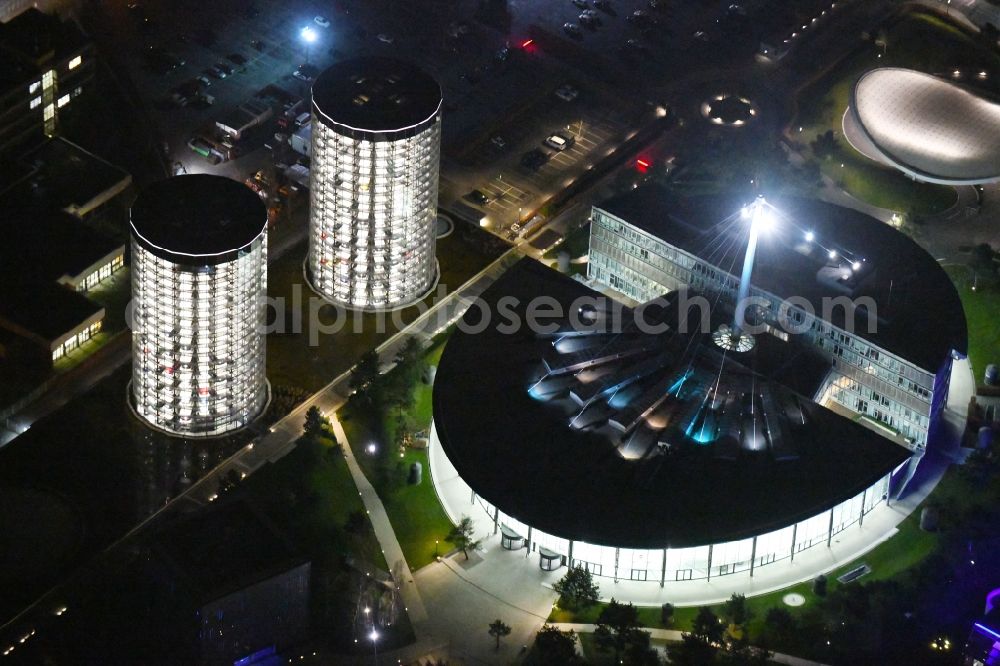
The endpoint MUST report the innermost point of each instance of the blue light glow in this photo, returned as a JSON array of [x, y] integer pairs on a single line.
[[987, 631]]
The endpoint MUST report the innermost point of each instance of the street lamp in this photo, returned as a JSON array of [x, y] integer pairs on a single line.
[[309, 35], [374, 637]]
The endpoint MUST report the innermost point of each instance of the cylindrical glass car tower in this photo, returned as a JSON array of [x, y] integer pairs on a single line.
[[376, 143], [199, 277]]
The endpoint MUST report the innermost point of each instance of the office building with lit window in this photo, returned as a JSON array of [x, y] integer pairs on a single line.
[[46, 64], [199, 278], [858, 289], [629, 443], [48, 255], [376, 142]]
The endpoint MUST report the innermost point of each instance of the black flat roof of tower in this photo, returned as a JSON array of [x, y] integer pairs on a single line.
[[197, 219], [519, 451], [380, 95], [920, 315]]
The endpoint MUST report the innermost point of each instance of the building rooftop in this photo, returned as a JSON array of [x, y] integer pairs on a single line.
[[59, 174], [900, 276], [376, 95], [30, 40], [642, 439], [227, 547], [197, 219], [45, 246], [43, 309], [930, 128]]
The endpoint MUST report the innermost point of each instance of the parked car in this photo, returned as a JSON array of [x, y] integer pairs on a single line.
[[385, 38], [604, 5], [225, 68], [567, 93], [478, 197], [560, 141], [534, 159], [589, 18], [237, 59], [321, 21], [498, 142], [582, 4], [502, 55], [203, 80]]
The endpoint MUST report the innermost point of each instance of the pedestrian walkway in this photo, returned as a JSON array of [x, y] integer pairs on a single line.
[[391, 549], [674, 636]]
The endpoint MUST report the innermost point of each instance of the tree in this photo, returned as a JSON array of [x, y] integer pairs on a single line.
[[736, 611], [692, 651], [462, 536], [741, 653], [314, 422], [706, 626], [577, 589], [355, 523], [498, 630], [410, 358], [618, 630], [556, 648], [780, 625], [365, 376], [666, 614], [981, 261], [824, 145]]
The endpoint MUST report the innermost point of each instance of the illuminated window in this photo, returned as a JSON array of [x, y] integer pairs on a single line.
[[33, 88], [50, 111], [63, 101], [35, 103], [48, 79], [75, 62]]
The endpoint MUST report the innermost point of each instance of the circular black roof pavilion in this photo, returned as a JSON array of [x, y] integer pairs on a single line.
[[198, 220], [378, 99]]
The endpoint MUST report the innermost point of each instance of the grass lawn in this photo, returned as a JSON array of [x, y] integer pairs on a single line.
[[294, 359], [310, 493], [414, 510], [981, 308], [577, 243], [821, 107]]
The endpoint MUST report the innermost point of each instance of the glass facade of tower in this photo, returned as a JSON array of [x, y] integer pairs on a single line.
[[374, 206], [198, 341]]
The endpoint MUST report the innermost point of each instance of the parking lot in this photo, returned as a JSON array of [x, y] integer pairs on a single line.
[[494, 80]]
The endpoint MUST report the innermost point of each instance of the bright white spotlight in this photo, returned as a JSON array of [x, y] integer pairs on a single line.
[[744, 212], [373, 635], [308, 34], [856, 266], [832, 254], [766, 219], [810, 237]]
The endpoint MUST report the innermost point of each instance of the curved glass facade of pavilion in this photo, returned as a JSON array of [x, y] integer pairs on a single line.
[[661, 565]]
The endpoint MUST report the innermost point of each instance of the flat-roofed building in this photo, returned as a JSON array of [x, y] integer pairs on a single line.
[[48, 256], [47, 62], [61, 175]]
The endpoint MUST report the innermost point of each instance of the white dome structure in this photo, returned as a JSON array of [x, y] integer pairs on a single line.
[[932, 129]]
